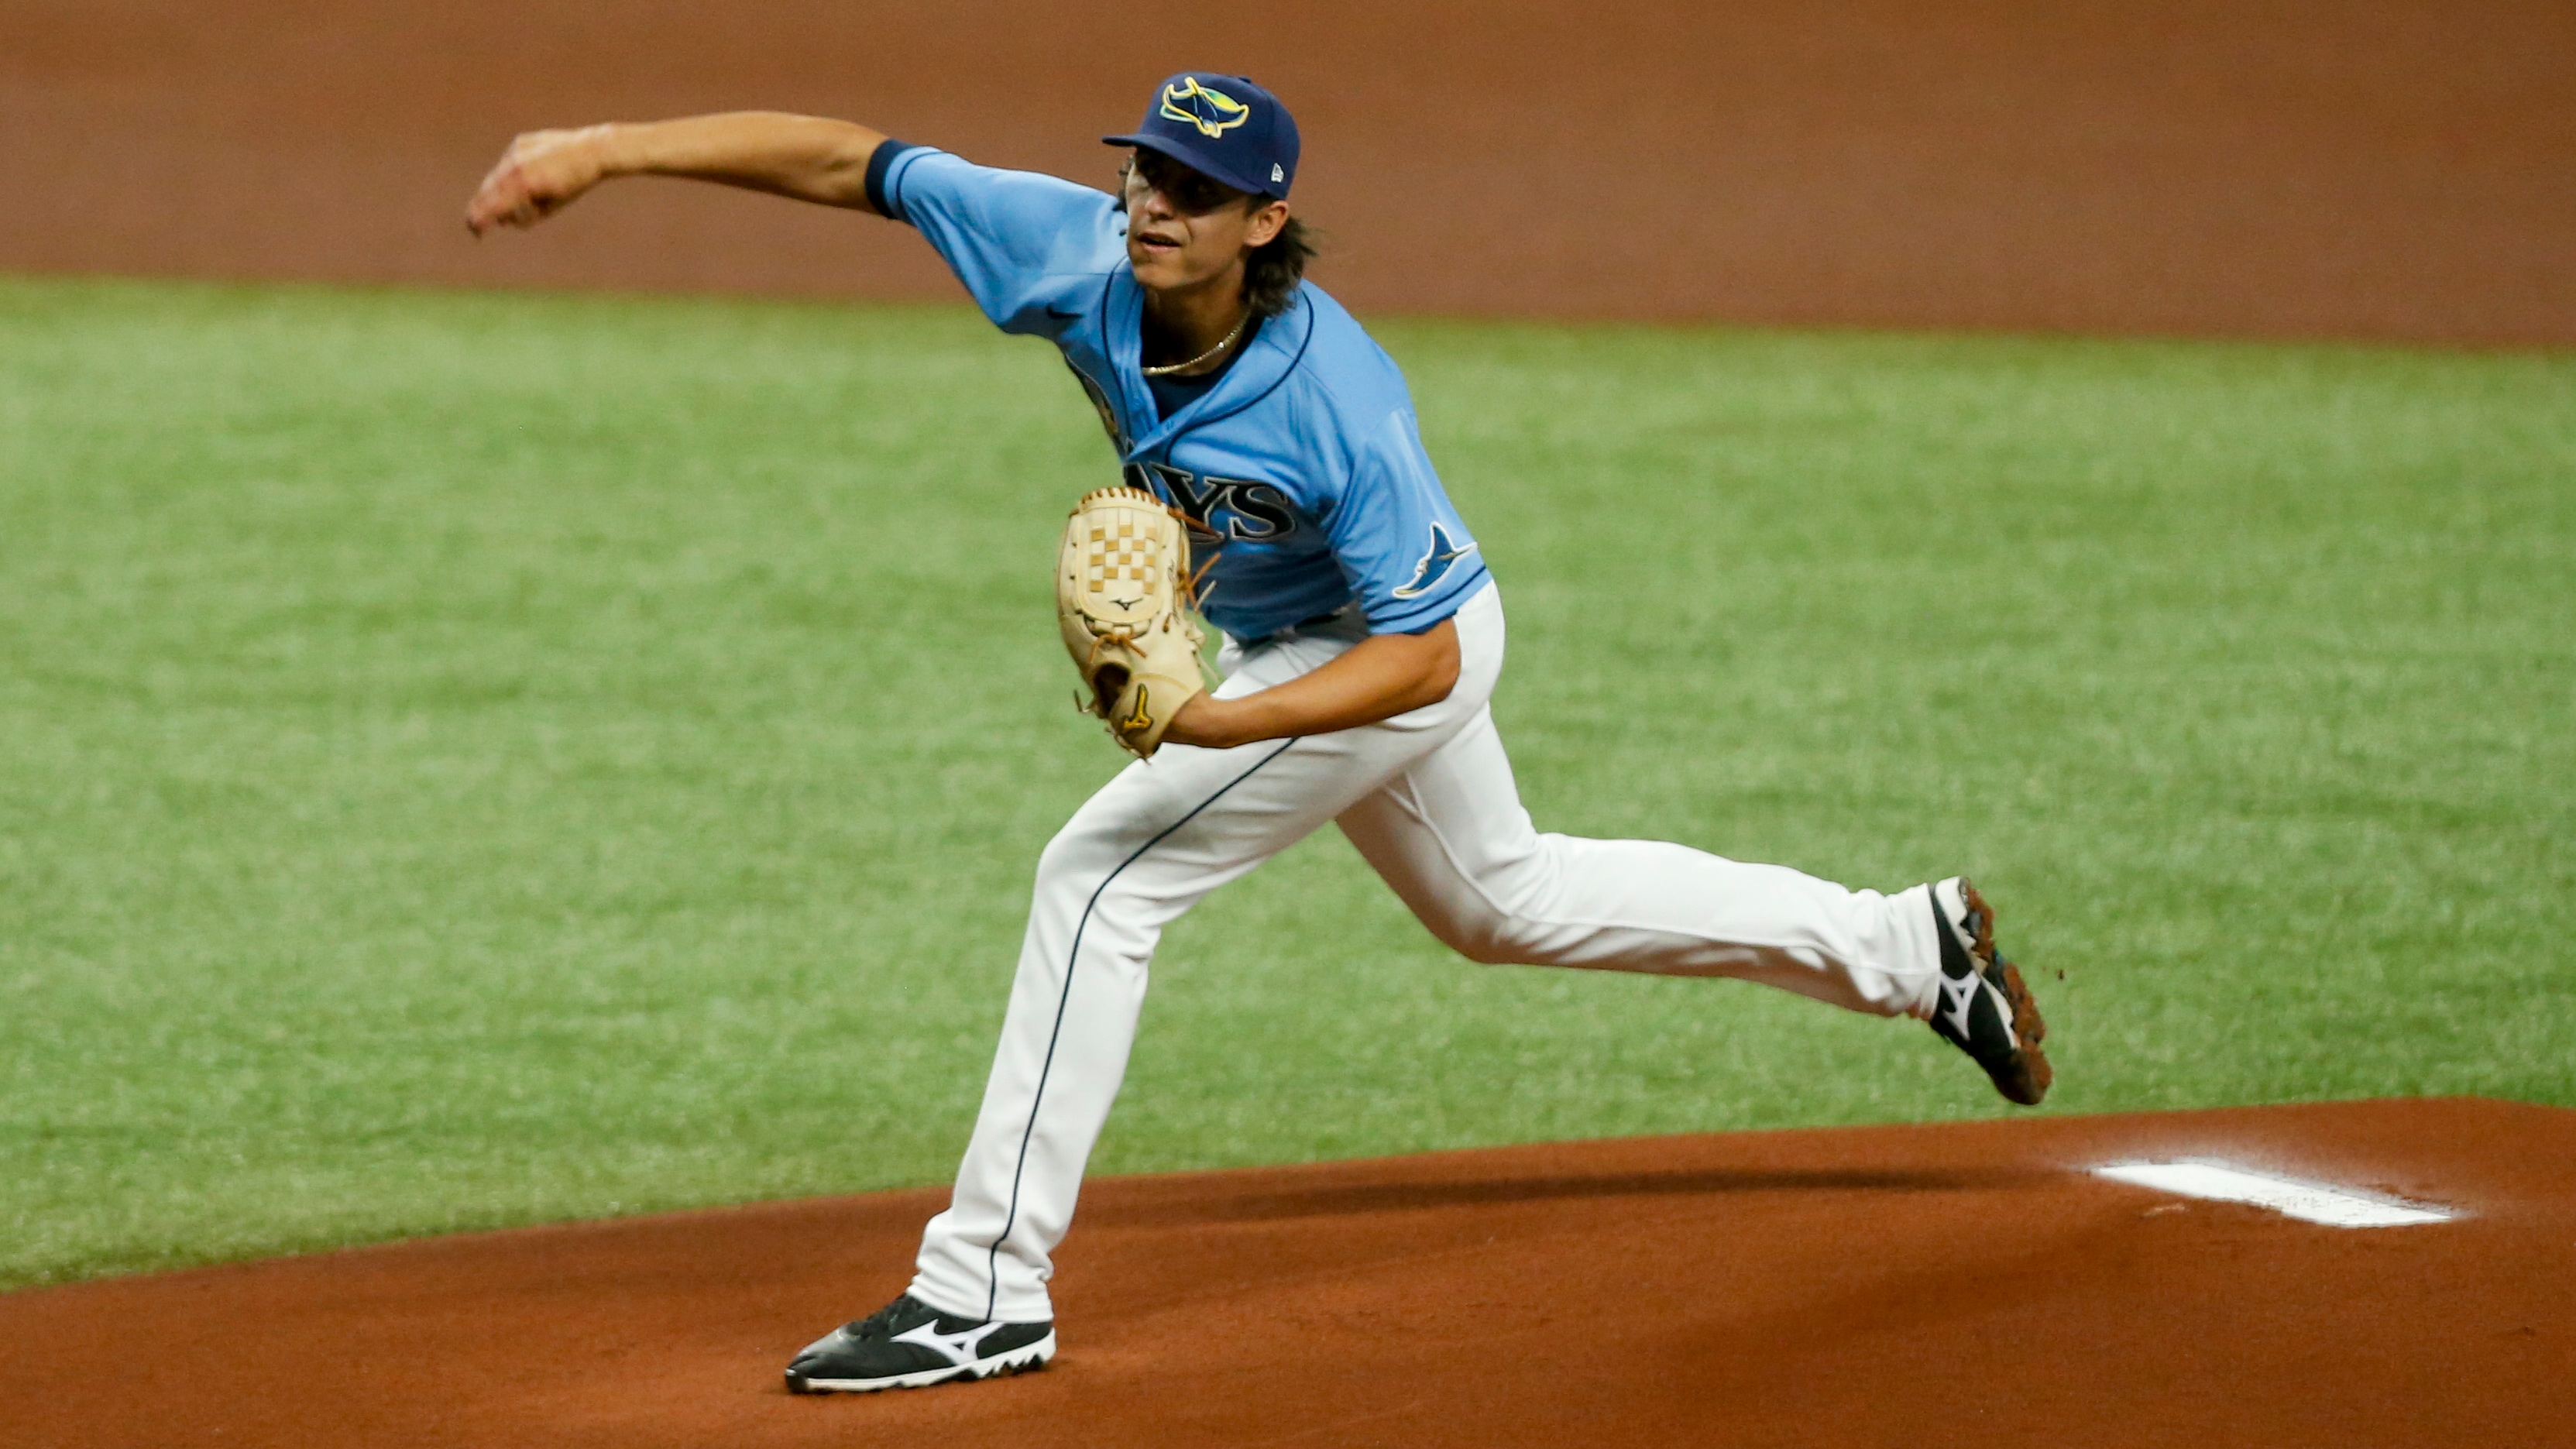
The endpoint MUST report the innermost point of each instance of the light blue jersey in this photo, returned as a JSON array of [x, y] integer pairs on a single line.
[[1303, 466]]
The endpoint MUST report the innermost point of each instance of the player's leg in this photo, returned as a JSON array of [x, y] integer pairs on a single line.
[[1451, 837], [1154, 841], [1449, 834]]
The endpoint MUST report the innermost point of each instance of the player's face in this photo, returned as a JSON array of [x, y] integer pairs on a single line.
[[1184, 228]]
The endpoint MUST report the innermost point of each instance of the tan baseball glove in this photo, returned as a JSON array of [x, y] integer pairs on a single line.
[[1121, 590]]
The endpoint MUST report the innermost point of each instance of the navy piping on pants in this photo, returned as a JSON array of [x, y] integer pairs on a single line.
[[1037, 1099]]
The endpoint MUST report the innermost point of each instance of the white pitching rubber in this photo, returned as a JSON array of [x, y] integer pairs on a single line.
[[2307, 1201]]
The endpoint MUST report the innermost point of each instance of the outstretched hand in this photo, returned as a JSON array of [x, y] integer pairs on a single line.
[[538, 176]]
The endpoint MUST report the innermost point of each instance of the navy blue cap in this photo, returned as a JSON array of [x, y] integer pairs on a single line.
[[1222, 126]]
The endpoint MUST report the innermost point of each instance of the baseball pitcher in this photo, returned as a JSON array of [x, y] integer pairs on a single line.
[[1275, 484]]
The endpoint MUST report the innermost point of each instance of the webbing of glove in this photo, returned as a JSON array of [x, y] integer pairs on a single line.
[[1121, 588]]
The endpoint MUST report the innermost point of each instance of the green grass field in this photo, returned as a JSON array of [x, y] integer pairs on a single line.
[[471, 760]]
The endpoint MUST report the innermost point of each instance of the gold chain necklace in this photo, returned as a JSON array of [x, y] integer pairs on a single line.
[[1239, 325]]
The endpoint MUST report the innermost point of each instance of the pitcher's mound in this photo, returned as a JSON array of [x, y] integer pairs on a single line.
[[1877, 1286]]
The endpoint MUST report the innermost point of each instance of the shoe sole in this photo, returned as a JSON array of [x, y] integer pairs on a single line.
[[1027, 1359], [2026, 1077]]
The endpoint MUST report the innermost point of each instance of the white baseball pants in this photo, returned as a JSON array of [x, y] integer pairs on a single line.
[[1429, 800]]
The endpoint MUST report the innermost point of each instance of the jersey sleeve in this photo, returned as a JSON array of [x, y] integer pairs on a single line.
[[1399, 540], [1031, 249]]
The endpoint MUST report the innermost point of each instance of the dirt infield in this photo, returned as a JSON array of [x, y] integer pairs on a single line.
[[2378, 168], [1954, 1284]]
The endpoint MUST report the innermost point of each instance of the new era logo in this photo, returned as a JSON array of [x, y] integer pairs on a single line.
[[1276, 174]]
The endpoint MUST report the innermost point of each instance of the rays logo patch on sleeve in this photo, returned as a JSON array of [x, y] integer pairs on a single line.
[[1213, 112], [1436, 561]]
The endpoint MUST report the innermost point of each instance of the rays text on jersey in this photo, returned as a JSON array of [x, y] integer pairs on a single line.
[[1239, 509]]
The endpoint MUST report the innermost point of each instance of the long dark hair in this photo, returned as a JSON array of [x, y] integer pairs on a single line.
[[1272, 272]]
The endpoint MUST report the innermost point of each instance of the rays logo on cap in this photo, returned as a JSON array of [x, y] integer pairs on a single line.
[[1213, 112]]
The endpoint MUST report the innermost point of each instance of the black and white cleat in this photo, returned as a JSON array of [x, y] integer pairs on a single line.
[[1985, 1009], [910, 1345]]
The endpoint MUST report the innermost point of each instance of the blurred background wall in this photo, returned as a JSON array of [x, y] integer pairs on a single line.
[[2351, 168]]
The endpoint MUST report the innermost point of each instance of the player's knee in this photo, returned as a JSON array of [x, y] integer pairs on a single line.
[[1500, 917], [1486, 937], [1078, 850]]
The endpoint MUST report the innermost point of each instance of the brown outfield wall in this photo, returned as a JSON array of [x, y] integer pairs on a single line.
[[2363, 168], [1917, 1286]]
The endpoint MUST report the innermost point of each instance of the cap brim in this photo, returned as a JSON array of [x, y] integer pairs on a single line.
[[1166, 146]]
